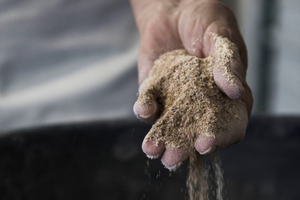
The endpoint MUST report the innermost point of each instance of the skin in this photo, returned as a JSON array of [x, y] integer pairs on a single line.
[[166, 25]]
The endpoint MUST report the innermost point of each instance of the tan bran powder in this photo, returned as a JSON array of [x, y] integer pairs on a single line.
[[192, 105]]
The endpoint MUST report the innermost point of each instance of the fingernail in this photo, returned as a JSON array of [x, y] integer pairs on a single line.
[[174, 167], [145, 112], [152, 157], [204, 145], [144, 116], [152, 149], [205, 152]]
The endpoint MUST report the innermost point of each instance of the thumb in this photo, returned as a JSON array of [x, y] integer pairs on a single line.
[[228, 70]]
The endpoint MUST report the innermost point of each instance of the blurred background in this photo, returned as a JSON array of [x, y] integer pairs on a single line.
[[271, 31], [66, 61]]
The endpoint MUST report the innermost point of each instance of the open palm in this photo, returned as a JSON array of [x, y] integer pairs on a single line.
[[168, 25]]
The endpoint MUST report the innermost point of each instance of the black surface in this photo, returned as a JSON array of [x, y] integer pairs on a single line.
[[104, 161]]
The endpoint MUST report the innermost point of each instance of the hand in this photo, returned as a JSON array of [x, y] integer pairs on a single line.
[[166, 25]]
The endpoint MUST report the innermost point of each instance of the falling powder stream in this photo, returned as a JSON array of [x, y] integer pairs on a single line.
[[205, 179]]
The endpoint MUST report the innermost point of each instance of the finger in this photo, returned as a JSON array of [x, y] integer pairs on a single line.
[[228, 78], [230, 84], [229, 71], [234, 133], [172, 158], [198, 41], [154, 42], [152, 149], [195, 33], [148, 112], [205, 145]]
